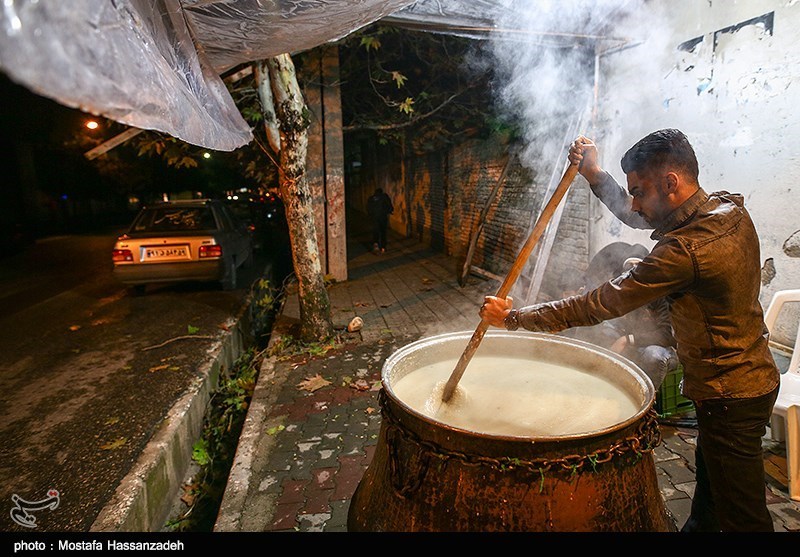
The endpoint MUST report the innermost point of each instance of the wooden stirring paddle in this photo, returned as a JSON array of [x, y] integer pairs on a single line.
[[513, 275]]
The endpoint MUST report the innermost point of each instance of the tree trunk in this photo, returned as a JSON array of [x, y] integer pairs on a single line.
[[315, 309], [268, 106]]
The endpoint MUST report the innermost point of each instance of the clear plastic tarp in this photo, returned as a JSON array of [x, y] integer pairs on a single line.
[[155, 64], [474, 19]]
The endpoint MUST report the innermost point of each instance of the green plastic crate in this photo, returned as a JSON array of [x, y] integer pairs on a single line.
[[669, 400]]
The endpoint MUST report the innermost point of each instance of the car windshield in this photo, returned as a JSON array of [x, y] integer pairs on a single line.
[[172, 219]]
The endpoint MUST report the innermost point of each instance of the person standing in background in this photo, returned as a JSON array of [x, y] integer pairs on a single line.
[[379, 207]]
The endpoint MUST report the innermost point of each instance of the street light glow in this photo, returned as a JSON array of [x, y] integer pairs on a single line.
[[91, 124], [206, 155]]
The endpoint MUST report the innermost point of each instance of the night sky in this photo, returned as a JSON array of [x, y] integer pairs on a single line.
[[30, 117]]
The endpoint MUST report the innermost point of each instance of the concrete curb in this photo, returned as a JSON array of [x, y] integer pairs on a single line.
[[144, 498]]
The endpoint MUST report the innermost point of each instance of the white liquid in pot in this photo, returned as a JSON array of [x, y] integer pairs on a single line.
[[516, 397]]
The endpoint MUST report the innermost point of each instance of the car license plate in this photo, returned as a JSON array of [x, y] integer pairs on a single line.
[[165, 252]]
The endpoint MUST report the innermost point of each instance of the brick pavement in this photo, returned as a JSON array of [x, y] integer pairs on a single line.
[[303, 452]]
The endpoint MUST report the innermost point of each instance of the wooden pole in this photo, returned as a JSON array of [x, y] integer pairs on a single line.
[[513, 274], [473, 242]]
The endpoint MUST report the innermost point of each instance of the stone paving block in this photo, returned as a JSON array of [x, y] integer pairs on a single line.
[[272, 483], [280, 460], [302, 467], [285, 517], [662, 453], [331, 440], [677, 471], [338, 519], [338, 420], [287, 435], [352, 442], [327, 457], [683, 443], [667, 488], [787, 514], [313, 430], [679, 509], [308, 445], [285, 396], [323, 478], [351, 470], [686, 487], [312, 522], [293, 491], [773, 497], [317, 501]]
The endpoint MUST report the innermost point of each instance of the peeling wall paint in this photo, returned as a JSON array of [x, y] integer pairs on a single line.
[[791, 247], [728, 75]]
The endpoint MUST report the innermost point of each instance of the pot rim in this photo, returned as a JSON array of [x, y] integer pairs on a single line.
[[634, 370]]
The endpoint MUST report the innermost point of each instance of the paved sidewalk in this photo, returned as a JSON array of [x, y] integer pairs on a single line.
[[313, 422]]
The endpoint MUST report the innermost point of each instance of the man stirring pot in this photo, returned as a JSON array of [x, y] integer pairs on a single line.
[[706, 263]]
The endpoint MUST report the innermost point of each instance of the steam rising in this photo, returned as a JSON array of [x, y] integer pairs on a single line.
[[548, 61], [545, 54]]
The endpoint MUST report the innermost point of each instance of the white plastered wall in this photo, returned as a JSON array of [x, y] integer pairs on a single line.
[[736, 95]]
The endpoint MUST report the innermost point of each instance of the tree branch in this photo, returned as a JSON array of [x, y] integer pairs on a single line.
[[177, 338], [411, 122]]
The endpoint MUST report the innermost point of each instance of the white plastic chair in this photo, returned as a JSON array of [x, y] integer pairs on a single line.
[[785, 424]]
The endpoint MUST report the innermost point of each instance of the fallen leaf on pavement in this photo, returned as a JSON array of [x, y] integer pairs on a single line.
[[360, 385], [190, 491], [114, 444], [370, 410], [376, 386], [311, 384], [74, 327], [158, 368], [276, 429]]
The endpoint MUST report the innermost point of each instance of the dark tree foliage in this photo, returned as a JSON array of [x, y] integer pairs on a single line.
[[423, 90], [427, 89]]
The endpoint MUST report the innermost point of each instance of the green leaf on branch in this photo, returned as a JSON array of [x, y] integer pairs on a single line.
[[399, 78], [370, 43], [407, 106]]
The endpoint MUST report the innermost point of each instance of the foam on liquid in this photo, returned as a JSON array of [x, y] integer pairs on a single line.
[[518, 397]]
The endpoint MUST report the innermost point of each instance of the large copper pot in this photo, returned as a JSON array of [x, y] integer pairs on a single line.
[[429, 476]]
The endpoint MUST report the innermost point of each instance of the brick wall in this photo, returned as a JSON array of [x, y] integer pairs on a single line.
[[440, 196]]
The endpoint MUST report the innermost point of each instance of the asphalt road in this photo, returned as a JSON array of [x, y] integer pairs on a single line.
[[83, 382]]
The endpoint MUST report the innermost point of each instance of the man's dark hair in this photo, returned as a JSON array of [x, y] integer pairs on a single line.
[[667, 149]]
